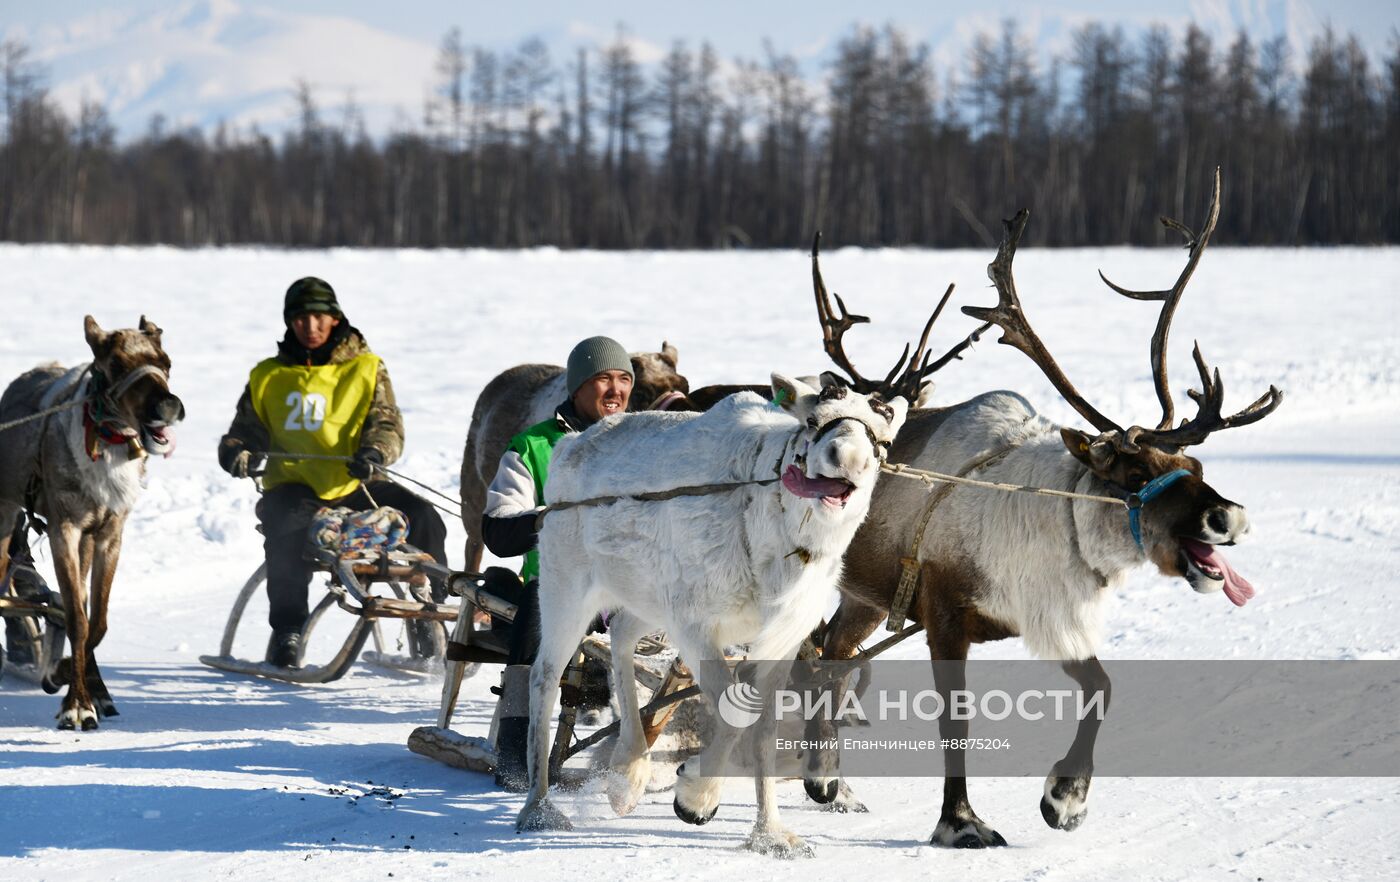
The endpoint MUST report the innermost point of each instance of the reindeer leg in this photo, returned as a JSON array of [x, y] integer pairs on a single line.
[[849, 626], [631, 767], [769, 835], [958, 825], [563, 624], [698, 780], [1066, 798], [65, 539], [101, 552]]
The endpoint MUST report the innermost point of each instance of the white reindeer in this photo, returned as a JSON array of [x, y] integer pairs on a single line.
[[754, 563]]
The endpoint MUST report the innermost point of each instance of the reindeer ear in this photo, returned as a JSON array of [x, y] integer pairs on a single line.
[[1097, 455], [793, 396], [669, 354], [149, 328], [925, 395], [97, 339], [831, 378], [900, 406]]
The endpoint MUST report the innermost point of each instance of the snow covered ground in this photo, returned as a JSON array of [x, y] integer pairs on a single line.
[[210, 775]]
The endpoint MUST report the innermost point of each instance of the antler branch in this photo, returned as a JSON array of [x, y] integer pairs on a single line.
[[834, 327], [1209, 400], [1017, 332], [1171, 297], [908, 375]]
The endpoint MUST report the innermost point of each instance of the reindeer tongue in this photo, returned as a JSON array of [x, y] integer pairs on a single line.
[[1237, 588], [165, 435], [799, 484]]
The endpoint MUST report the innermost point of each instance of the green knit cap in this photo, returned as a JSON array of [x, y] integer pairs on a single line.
[[310, 295], [592, 357]]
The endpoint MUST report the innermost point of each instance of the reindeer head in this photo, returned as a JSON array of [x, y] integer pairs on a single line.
[[655, 382], [845, 436], [1182, 518], [131, 373]]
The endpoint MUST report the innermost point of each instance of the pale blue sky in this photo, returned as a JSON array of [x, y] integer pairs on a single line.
[[207, 62], [734, 26]]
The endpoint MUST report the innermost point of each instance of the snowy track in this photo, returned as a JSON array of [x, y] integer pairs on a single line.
[[206, 775]]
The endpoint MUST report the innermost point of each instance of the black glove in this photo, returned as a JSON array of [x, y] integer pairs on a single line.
[[362, 466], [238, 460]]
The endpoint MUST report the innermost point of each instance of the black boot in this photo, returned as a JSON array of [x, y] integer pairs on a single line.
[[284, 649], [513, 730]]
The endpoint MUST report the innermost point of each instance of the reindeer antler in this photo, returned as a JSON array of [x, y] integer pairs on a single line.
[[1212, 393], [834, 327], [1017, 332], [907, 376], [1172, 296], [1207, 418]]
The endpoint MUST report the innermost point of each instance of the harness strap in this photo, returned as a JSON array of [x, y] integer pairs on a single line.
[[131, 378], [35, 485], [909, 565], [882, 448], [657, 496], [662, 495], [1150, 491]]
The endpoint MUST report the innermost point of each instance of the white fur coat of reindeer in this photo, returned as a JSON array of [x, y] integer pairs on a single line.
[[756, 564]]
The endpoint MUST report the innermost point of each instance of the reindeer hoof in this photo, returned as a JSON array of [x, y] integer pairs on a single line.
[[846, 802], [782, 844], [626, 786], [84, 718], [541, 816], [691, 817], [823, 792], [966, 834], [1065, 803]]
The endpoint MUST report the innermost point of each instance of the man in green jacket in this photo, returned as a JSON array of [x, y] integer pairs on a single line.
[[325, 394], [599, 379]]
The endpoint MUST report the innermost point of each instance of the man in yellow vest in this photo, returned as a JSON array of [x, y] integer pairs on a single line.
[[326, 394]]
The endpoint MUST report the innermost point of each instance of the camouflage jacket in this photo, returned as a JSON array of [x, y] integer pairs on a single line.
[[383, 429]]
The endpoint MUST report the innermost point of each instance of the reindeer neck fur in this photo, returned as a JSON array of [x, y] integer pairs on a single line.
[[1031, 565], [113, 482], [754, 565]]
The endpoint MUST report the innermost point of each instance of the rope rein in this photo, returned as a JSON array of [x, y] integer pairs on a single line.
[[1132, 502], [39, 415], [95, 392], [391, 476]]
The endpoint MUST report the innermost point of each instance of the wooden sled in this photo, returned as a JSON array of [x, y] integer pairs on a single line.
[[658, 672], [34, 630], [350, 588]]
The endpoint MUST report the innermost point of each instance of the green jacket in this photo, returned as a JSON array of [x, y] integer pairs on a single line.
[[535, 446]]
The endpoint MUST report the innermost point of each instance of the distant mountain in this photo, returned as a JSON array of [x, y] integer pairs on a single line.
[[219, 61], [214, 61]]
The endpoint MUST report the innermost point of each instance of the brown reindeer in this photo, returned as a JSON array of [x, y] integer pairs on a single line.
[[518, 398], [991, 565], [81, 468]]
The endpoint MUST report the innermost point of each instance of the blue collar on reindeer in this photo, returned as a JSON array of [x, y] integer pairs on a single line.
[[1150, 491]]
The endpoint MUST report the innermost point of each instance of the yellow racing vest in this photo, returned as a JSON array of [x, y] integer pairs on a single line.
[[317, 409]]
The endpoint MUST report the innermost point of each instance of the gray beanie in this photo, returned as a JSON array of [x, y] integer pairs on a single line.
[[592, 357]]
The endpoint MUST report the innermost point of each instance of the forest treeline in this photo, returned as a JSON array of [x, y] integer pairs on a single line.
[[594, 150]]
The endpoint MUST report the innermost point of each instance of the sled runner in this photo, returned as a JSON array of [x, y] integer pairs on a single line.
[[351, 577], [659, 674], [33, 626], [34, 617]]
